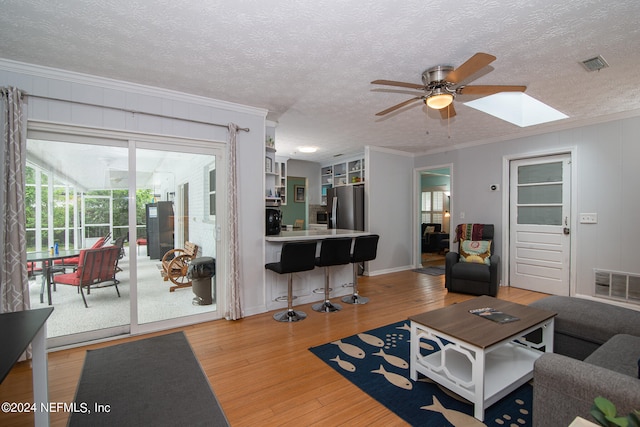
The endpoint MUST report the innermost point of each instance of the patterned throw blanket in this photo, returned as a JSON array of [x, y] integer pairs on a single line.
[[469, 232]]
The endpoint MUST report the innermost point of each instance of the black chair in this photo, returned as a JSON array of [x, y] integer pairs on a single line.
[[471, 277], [429, 237], [295, 257], [364, 249], [332, 252]]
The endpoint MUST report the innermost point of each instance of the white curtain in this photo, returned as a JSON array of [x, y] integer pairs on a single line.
[[234, 308], [14, 284]]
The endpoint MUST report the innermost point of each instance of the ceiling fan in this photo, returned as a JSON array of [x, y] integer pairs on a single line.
[[442, 82]]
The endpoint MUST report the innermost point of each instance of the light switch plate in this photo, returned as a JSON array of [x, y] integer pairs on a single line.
[[588, 218]]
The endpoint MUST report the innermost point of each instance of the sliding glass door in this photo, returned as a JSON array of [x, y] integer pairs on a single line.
[[180, 232], [84, 189]]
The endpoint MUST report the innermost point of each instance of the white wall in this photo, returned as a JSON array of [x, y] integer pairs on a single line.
[[311, 171], [79, 88], [389, 208], [607, 175], [201, 228]]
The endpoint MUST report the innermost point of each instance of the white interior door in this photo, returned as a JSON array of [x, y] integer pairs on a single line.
[[540, 201]]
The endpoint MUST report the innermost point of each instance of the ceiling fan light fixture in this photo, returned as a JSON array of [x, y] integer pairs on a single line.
[[439, 100]]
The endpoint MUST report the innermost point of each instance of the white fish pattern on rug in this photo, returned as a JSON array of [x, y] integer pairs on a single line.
[[456, 418], [385, 352], [425, 345], [394, 360], [404, 327], [371, 340], [344, 364], [350, 349], [395, 379]]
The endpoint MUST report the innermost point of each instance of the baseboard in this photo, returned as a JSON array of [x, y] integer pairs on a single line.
[[389, 270]]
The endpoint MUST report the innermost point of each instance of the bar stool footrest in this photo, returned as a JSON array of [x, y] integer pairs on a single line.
[[285, 298]]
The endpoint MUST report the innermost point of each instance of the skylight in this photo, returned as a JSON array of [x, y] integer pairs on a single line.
[[517, 108]]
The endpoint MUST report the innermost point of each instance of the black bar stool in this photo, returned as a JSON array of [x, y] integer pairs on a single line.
[[332, 252], [364, 249], [295, 257]]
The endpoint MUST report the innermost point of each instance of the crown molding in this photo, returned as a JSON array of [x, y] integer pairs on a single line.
[[535, 131], [106, 83]]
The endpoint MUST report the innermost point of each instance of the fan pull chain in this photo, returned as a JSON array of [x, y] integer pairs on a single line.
[[448, 122]]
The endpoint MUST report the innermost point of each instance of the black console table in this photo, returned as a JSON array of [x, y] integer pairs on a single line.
[[17, 330]]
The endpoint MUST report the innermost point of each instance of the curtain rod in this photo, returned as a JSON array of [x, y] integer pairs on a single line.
[[131, 111]]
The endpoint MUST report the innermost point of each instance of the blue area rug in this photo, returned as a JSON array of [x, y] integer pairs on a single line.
[[377, 361]]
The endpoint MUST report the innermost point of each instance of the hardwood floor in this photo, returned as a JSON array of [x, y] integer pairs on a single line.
[[261, 370]]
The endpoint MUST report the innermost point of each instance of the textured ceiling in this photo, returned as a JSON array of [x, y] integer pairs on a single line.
[[311, 63]]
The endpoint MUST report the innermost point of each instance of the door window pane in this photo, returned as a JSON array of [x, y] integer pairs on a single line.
[[71, 203], [171, 222], [540, 194], [545, 172]]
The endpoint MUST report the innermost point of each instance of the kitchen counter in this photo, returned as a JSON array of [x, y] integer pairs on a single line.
[[314, 234]]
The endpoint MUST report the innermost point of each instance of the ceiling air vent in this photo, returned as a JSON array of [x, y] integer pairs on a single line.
[[595, 64]]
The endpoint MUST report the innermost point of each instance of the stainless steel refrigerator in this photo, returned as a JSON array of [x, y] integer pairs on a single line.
[[345, 206]]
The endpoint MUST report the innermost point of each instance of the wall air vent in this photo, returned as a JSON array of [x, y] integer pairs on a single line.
[[595, 64], [617, 285]]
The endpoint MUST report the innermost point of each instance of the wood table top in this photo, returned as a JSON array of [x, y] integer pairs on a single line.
[[456, 321]]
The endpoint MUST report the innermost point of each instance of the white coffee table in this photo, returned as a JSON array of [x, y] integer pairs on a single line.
[[480, 360]]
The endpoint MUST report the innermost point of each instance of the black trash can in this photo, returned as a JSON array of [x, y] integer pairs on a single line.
[[200, 271]]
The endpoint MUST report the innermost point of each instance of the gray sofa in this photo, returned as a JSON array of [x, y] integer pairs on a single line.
[[596, 353]]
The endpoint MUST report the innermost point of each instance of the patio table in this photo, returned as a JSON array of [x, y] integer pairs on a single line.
[[48, 260]]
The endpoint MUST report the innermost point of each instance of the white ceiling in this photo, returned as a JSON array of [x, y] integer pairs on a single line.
[[311, 63]]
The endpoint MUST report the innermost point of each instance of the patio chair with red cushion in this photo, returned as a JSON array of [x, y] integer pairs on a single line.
[[95, 267], [73, 261]]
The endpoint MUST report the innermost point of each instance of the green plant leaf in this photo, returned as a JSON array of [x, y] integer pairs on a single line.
[[599, 416], [605, 406], [618, 421]]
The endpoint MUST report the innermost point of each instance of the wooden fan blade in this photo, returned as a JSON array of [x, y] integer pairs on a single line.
[[489, 89], [473, 64], [394, 83], [447, 112], [395, 107]]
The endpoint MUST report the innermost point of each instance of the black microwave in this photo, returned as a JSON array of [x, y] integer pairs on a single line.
[[322, 217]]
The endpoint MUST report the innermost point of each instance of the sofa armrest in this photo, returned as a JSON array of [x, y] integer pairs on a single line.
[[565, 388]]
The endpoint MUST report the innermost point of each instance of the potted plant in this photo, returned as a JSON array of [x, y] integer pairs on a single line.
[[606, 415]]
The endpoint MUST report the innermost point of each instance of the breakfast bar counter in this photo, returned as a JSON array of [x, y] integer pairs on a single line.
[[308, 286], [316, 234]]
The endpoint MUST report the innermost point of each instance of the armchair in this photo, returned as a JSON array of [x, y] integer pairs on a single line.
[[73, 262], [477, 270], [95, 266], [428, 233]]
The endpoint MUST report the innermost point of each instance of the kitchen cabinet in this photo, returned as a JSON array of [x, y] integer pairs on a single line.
[[349, 172], [275, 171]]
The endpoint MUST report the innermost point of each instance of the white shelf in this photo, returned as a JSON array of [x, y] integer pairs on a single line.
[[348, 172], [506, 368]]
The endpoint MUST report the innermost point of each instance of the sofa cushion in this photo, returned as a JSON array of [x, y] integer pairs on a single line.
[[619, 354], [590, 320], [478, 251]]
